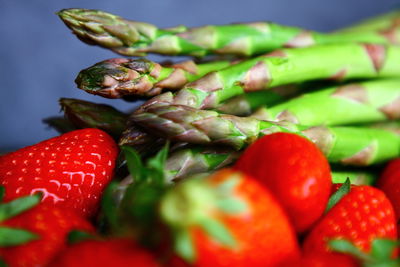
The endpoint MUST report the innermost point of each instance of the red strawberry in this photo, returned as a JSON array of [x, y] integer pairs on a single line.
[[70, 170], [228, 219], [389, 182], [51, 226], [295, 171], [116, 253], [361, 216], [323, 260]]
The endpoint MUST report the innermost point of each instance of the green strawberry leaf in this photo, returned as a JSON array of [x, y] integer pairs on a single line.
[[2, 192], [17, 206], [14, 237], [382, 249], [3, 263], [134, 163], [109, 206], [77, 236], [184, 246], [338, 195], [345, 246], [218, 231], [156, 165], [381, 253]]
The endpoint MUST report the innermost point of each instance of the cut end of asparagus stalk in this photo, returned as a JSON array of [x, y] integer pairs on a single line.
[[96, 27], [115, 78]]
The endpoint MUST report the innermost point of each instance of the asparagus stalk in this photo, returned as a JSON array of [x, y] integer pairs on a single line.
[[281, 67], [346, 145], [197, 159], [370, 101], [134, 38], [191, 161], [286, 66], [84, 114], [118, 77], [245, 104], [357, 177]]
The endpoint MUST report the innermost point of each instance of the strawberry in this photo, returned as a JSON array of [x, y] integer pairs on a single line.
[[105, 253], [70, 170], [323, 260], [360, 216], [389, 182], [227, 219], [295, 171], [35, 234]]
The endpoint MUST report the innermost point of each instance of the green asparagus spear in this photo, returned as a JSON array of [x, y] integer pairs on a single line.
[[84, 114], [357, 177], [355, 103], [197, 159], [133, 38], [393, 126], [347, 145], [191, 160], [118, 77], [286, 66], [245, 104]]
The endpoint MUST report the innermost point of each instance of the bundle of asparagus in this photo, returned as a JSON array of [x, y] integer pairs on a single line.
[[341, 90]]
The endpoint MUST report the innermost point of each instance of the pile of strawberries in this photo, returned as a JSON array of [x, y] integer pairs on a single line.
[[276, 206]]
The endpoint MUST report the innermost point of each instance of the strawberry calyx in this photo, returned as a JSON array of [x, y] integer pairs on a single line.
[[130, 207], [381, 253], [15, 236], [197, 203], [76, 236]]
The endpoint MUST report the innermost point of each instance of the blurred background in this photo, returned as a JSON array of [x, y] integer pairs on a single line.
[[40, 58]]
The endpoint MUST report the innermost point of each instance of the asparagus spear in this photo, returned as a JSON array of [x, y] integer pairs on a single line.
[[357, 177], [347, 61], [118, 77], [283, 67], [84, 114], [197, 159], [181, 163], [191, 161], [133, 38], [370, 101], [245, 104], [347, 145]]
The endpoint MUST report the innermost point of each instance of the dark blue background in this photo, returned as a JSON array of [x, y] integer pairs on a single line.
[[39, 57]]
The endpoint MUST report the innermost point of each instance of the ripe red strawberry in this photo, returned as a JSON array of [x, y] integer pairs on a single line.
[[116, 253], [228, 219], [51, 226], [295, 171], [323, 260], [70, 170], [389, 182], [361, 216]]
